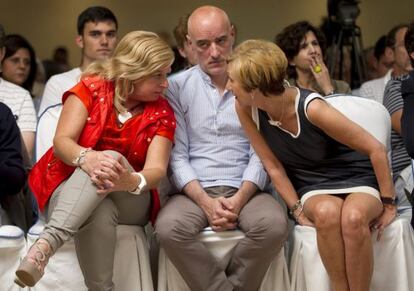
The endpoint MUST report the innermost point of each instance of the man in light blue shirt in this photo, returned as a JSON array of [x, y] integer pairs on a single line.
[[219, 175]]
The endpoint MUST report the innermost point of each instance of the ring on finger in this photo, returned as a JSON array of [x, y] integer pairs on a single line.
[[317, 68]]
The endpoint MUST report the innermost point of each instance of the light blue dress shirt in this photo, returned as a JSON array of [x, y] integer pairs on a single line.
[[210, 144]]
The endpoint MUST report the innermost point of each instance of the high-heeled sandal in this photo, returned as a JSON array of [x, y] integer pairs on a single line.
[[32, 267]]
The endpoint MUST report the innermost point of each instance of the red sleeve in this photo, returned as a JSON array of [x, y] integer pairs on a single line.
[[166, 131], [167, 125], [82, 92]]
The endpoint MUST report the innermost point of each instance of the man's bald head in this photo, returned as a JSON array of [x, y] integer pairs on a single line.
[[205, 15], [211, 36]]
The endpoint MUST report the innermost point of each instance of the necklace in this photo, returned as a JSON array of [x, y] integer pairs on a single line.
[[278, 123], [124, 116]]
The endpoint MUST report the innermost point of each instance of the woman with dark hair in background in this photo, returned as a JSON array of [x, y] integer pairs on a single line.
[[304, 46], [19, 63]]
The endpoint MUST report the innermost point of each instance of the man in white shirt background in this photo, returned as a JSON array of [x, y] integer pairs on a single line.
[[374, 89], [97, 37]]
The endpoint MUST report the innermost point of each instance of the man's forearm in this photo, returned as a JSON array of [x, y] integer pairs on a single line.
[[195, 192]]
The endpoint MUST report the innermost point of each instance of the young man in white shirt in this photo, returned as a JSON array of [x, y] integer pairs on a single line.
[[97, 37]]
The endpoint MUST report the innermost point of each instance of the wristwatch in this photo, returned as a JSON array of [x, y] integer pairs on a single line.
[[388, 200], [142, 184]]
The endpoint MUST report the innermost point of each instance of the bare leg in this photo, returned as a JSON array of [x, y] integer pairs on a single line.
[[358, 211], [325, 212]]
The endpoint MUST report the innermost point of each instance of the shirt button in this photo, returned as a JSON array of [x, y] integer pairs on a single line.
[[156, 113], [92, 86], [87, 78], [149, 139], [101, 99], [173, 123], [88, 119], [135, 153], [164, 111], [95, 93], [151, 118]]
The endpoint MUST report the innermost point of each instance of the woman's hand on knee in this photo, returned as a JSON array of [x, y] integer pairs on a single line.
[[302, 219], [100, 161], [387, 216]]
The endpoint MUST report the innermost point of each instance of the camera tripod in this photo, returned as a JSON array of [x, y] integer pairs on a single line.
[[348, 36]]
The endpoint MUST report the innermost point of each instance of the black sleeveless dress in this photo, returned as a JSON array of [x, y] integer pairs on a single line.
[[314, 162]]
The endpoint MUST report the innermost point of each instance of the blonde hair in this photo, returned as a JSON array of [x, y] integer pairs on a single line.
[[259, 64], [139, 55]]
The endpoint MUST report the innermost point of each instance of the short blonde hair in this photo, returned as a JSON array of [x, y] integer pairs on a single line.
[[139, 55], [259, 64]]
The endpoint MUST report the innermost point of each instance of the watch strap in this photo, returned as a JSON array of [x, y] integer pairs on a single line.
[[142, 184]]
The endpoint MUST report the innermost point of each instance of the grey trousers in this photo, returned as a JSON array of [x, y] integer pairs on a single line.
[[76, 209], [262, 220]]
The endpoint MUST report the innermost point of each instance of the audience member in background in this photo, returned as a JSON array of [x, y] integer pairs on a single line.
[[384, 56], [304, 46], [12, 171], [58, 64], [97, 36], [378, 61], [219, 176], [18, 99], [19, 64], [183, 46], [388, 54], [331, 172], [371, 63], [38, 85], [111, 149], [407, 92], [400, 160]]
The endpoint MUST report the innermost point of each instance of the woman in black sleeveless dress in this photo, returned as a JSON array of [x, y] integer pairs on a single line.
[[332, 174]]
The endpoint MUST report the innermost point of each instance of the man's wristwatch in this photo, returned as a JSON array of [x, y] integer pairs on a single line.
[[388, 201], [142, 184]]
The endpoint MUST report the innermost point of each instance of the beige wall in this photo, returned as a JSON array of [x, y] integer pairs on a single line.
[[49, 23]]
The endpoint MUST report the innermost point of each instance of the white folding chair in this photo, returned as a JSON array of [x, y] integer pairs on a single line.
[[221, 245], [12, 249], [393, 264], [46, 128], [131, 263]]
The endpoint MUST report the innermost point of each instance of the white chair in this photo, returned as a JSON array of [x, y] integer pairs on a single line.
[[12, 249], [221, 244], [131, 263], [393, 264], [46, 128], [393, 260]]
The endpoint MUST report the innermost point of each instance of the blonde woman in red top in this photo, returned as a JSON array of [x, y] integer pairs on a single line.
[[111, 149]]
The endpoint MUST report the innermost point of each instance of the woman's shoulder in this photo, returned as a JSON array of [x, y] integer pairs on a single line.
[[161, 108]]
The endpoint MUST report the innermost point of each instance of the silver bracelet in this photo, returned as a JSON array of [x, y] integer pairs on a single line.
[[78, 161]]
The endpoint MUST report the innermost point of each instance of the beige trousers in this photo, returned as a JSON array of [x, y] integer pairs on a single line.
[[262, 220], [76, 210]]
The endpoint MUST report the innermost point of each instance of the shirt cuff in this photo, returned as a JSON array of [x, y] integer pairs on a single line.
[[257, 176], [182, 174]]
